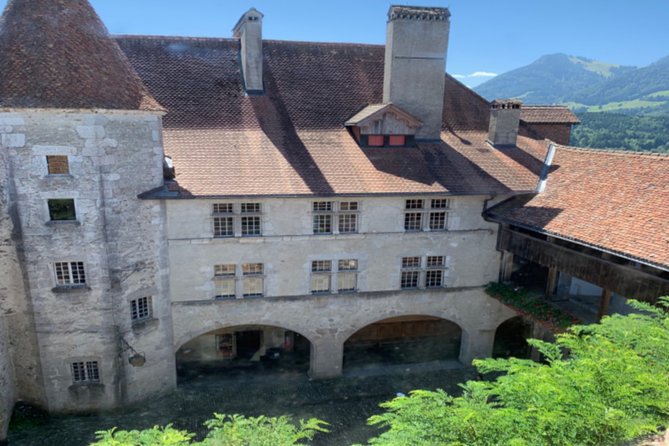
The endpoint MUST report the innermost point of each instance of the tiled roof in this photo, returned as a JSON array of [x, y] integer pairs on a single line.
[[371, 110], [292, 140], [548, 114], [58, 54], [612, 200]]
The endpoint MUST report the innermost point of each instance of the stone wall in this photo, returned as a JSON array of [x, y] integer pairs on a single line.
[[7, 389], [113, 157]]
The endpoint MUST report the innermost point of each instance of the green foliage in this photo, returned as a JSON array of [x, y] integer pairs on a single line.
[[613, 131], [224, 430], [237, 430], [167, 436], [612, 387], [539, 310]]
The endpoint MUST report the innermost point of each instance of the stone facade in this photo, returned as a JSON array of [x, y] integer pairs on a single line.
[[7, 395], [118, 239]]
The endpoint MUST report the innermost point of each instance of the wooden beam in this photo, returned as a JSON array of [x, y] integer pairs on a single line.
[[604, 302], [625, 280], [506, 267]]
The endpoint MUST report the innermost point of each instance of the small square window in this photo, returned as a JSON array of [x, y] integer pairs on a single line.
[[252, 268], [437, 221], [70, 273], [322, 206], [435, 261], [348, 265], [375, 140], [224, 270], [222, 208], [62, 209], [253, 286], [414, 204], [141, 309], [396, 140], [321, 265], [57, 165], [84, 372], [440, 203], [348, 223], [434, 278], [250, 208], [348, 206], [225, 286], [410, 262]]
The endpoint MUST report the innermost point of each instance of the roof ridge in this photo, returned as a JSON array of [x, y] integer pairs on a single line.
[[231, 39], [620, 152]]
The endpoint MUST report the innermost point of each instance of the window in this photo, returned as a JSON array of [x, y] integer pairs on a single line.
[[243, 221], [325, 280], [85, 372], [141, 309], [57, 165], [396, 140], [251, 279], [418, 218], [70, 274], [331, 217], [423, 272], [62, 209], [375, 140]]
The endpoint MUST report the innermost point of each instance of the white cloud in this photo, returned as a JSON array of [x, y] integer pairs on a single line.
[[459, 76], [482, 74]]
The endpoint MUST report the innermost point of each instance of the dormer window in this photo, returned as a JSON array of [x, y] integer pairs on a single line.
[[383, 125]]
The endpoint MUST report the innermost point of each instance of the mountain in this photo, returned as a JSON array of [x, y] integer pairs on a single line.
[[551, 79]]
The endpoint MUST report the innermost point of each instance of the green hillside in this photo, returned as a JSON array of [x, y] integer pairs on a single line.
[[616, 131]]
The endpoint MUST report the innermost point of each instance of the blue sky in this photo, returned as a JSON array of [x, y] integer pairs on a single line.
[[487, 36]]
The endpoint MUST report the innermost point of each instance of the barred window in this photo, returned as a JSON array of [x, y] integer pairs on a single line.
[[85, 372], [141, 309], [57, 165], [332, 217], [70, 273], [243, 219]]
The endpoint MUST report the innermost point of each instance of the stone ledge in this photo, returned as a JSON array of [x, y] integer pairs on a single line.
[[71, 289], [56, 223]]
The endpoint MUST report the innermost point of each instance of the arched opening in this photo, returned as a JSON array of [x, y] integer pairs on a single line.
[[511, 339], [234, 351], [403, 340]]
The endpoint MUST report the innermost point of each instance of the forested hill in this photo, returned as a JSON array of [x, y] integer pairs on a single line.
[[616, 131], [586, 85], [551, 79]]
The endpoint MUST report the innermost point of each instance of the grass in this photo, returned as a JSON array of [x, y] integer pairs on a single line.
[[625, 105], [530, 306]]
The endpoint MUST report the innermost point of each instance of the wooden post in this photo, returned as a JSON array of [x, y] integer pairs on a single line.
[[506, 266], [551, 281], [604, 304]]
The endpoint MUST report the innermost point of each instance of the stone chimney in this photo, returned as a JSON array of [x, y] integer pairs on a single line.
[[504, 121], [415, 64], [249, 31]]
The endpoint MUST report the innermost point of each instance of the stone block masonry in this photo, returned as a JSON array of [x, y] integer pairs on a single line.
[[7, 388]]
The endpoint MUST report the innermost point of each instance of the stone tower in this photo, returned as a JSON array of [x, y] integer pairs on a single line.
[[81, 139]]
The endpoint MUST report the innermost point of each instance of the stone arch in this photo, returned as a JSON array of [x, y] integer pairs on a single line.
[[511, 337], [402, 339]]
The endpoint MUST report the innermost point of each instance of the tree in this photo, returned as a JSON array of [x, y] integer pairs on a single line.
[[600, 384]]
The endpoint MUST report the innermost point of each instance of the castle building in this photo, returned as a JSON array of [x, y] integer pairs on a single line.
[[169, 199]]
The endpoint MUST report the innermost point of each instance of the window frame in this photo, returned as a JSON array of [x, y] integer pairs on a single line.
[[80, 271], [85, 372], [421, 214], [239, 219], [421, 269], [332, 271], [332, 214], [72, 205], [240, 276], [49, 165], [141, 309]]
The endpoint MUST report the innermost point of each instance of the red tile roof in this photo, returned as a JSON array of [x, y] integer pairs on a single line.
[[58, 54], [548, 114], [611, 200], [292, 140]]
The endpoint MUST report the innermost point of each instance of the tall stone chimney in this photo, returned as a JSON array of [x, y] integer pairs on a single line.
[[415, 65], [504, 121], [249, 31]]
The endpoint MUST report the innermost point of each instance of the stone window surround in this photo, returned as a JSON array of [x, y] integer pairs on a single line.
[[331, 216], [72, 279], [56, 161], [423, 269], [51, 201], [325, 270], [240, 276], [237, 219], [418, 217], [141, 309]]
